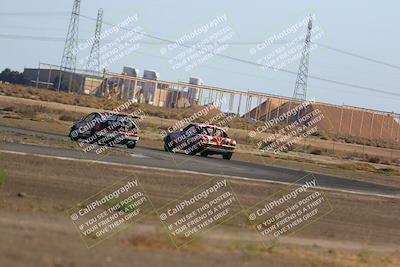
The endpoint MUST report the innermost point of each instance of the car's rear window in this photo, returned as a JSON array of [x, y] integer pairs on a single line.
[[213, 132], [123, 123]]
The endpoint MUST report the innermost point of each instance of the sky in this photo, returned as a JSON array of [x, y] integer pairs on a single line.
[[367, 28]]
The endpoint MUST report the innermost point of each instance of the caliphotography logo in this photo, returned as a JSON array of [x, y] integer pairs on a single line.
[[197, 46]]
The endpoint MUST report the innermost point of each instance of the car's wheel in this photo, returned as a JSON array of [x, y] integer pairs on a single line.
[[204, 154], [92, 137], [131, 145], [227, 155], [166, 147], [192, 153], [74, 135]]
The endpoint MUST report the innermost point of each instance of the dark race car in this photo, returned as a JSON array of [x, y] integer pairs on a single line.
[[201, 138], [106, 129]]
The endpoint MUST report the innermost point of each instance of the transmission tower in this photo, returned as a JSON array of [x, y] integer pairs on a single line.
[[300, 89], [68, 61], [94, 57]]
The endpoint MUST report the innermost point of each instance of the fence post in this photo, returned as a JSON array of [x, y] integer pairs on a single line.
[[351, 121], [340, 122], [238, 110], [362, 122], [372, 124], [49, 78], [37, 78], [383, 121]]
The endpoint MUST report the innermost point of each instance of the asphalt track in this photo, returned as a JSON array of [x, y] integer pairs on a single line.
[[158, 158]]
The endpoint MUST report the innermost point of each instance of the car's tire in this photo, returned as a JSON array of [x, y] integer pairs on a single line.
[[73, 135], [192, 153], [204, 154], [131, 145], [99, 143], [227, 155], [93, 140], [166, 147]]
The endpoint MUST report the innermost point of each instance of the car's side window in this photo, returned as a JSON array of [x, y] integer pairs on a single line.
[[219, 133], [187, 127], [90, 117], [191, 130], [204, 131]]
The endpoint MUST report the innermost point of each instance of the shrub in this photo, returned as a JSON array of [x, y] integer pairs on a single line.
[[373, 159], [316, 152], [70, 117]]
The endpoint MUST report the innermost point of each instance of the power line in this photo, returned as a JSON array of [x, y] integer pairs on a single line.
[[33, 14], [231, 43], [62, 39], [164, 40], [358, 56], [59, 39], [33, 38], [361, 87]]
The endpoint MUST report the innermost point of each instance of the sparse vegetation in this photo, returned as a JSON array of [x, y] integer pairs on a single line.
[[316, 152], [71, 116], [364, 256], [373, 159]]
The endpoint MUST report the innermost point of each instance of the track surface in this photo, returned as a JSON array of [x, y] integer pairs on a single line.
[[158, 158]]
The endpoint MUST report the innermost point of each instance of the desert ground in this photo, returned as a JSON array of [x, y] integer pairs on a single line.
[[37, 192]]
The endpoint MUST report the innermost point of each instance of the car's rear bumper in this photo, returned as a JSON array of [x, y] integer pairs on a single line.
[[117, 138], [126, 138], [219, 149]]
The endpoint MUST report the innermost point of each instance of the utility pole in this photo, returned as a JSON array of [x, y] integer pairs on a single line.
[[68, 61], [300, 89], [94, 57]]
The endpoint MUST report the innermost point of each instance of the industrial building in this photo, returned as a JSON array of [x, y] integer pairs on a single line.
[[52, 77]]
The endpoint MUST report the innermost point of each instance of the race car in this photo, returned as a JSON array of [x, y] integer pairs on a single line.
[[200, 138], [106, 129]]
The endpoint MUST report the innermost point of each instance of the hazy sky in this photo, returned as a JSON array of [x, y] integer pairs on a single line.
[[368, 28]]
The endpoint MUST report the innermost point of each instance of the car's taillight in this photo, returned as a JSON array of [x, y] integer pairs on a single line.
[[128, 133]]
